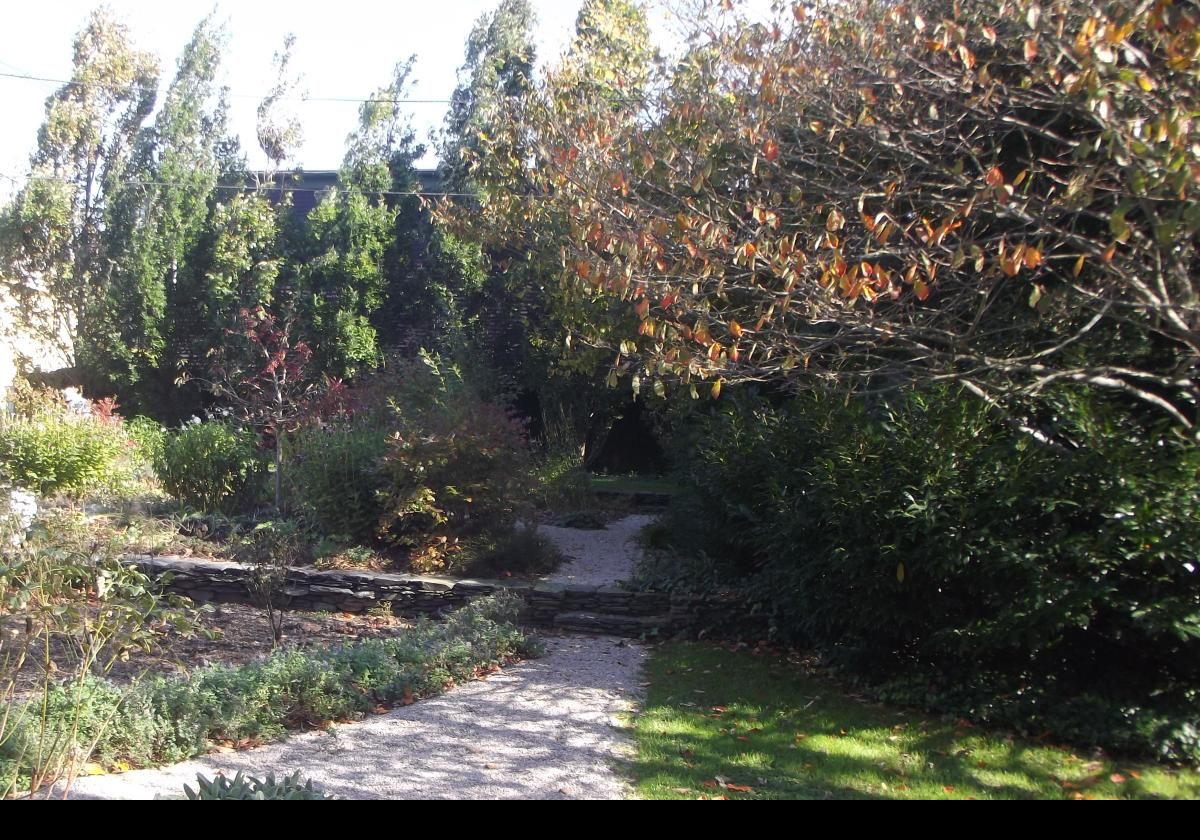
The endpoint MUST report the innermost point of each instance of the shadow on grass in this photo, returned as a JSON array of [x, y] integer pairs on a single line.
[[717, 723]]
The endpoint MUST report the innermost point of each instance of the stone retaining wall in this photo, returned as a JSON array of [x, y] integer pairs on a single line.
[[586, 608]]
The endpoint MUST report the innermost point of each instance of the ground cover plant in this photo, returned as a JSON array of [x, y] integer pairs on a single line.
[[166, 719]]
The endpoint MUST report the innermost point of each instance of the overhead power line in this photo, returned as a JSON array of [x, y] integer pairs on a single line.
[[247, 187], [28, 77]]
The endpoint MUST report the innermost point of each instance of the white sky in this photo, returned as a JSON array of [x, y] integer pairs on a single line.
[[345, 48]]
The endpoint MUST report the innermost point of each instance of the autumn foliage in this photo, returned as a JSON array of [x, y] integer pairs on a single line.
[[1000, 193]]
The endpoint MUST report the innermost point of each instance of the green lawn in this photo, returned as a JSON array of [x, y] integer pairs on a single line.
[[738, 725], [634, 484]]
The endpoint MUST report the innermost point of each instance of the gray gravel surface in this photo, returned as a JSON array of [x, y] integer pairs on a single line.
[[545, 729], [598, 558]]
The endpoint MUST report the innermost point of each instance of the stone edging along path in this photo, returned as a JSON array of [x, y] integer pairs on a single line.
[[599, 609]]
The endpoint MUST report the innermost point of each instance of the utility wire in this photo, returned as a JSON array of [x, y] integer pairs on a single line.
[[28, 77], [248, 187]]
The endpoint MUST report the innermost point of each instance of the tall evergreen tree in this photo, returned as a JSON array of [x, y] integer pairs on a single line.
[[156, 223], [57, 266]]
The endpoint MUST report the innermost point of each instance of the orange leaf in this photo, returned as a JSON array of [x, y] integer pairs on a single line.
[[740, 788], [994, 177], [735, 329], [1117, 779], [770, 150], [1031, 49]]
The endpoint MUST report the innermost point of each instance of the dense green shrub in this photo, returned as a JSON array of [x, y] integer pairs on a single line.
[[335, 477], [59, 453], [213, 466], [937, 551]]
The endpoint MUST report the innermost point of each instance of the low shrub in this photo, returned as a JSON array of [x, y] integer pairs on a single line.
[[213, 467], [336, 478], [168, 719], [60, 453], [522, 553], [459, 469]]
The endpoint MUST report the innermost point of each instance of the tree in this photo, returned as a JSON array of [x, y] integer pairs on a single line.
[[1000, 193], [57, 267], [264, 373], [344, 262], [279, 129], [524, 312], [156, 224], [494, 82]]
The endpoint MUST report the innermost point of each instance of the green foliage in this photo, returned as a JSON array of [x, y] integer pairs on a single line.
[[336, 477], [933, 550], [61, 453], [495, 77], [213, 466], [169, 719], [154, 228], [341, 275], [53, 236], [250, 788], [149, 437], [70, 609], [459, 468], [270, 549]]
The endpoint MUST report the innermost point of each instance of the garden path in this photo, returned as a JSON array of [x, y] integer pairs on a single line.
[[544, 729]]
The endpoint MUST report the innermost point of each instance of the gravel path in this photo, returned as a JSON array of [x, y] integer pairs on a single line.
[[545, 729], [597, 558]]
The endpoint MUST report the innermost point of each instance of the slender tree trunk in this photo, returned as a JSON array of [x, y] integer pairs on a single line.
[[279, 469]]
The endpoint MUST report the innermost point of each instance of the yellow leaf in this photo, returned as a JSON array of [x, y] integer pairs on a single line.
[[716, 389], [900, 572]]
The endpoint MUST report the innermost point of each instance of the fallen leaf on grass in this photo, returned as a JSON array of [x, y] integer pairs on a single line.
[[1117, 779]]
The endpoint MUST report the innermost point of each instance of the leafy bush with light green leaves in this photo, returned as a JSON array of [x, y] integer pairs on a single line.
[[59, 453], [213, 467]]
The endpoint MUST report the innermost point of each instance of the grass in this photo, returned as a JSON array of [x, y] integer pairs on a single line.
[[633, 484], [748, 726]]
